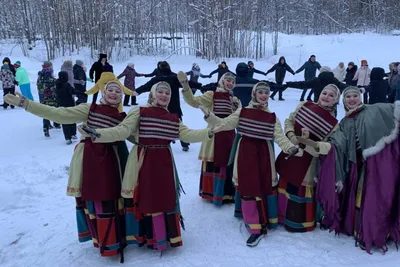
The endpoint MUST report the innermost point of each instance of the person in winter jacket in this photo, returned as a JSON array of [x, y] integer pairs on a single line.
[[324, 78], [398, 85], [80, 79], [244, 84], [46, 86], [96, 70], [350, 72], [64, 92], [362, 77], [7, 59], [378, 88], [67, 66], [339, 72], [195, 73], [221, 70], [310, 69], [280, 69], [156, 72], [7, 79], [23, 81], [394, 77], [253, 70], [130, 74], [166, 75]]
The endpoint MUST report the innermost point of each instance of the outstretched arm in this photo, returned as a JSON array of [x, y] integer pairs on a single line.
[[121, 132]]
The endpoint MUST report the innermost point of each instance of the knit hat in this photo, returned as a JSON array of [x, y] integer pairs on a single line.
[[351, 63], [79, 62], [47, 64], [67, 63], [17, 64], [364, 61], [250, 62], [325, 69]]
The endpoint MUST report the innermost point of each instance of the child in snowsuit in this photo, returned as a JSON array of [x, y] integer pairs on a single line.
[[64, 92], [46, 86], [23, 81], [7, 79]]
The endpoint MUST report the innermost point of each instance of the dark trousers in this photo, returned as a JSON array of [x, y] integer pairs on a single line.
[[95, 98], [46, 124], [183, 144], [304, 93], [276, 91], [126, 100], [8, 91], [365, 95], [69, 130]]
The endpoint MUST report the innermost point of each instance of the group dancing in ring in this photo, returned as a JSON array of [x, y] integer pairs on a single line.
[[343, 175]]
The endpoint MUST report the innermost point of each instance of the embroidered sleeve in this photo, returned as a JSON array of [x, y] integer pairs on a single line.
[[205, 100], [289, 122], [281, 139], [121, 132], [192, 136], [61, 115]]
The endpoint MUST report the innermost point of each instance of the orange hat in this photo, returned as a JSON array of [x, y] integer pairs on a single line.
[[364, 61]]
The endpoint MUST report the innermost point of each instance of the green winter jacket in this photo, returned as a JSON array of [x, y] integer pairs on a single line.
[[22, 76]]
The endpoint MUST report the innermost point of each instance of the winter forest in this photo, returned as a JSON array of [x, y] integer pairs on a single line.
[[213, 29]]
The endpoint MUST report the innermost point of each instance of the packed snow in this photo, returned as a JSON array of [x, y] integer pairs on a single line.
[[37, 219]]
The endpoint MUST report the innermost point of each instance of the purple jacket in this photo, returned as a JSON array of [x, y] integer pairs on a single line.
[[130, 75]]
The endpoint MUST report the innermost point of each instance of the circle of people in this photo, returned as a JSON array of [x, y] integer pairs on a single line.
[[332, 173]]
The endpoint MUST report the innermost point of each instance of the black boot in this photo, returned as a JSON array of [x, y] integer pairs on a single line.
[[254, 239], [46, 132]]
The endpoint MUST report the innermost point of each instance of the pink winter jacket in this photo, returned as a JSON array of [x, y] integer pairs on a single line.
[[362, 76]]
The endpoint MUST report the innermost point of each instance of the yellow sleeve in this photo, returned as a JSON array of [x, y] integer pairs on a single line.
[[289, 122], [61, 115], [205, 100], [122, 131], [229, 123], [94, 89], [281, 139], [323, 148], [192, 136]]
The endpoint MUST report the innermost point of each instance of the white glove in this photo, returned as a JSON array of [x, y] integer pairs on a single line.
[[339, 186]]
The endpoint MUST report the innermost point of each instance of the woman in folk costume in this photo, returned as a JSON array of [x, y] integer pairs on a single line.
[[96, 169], [297, 208], [106, 77], [254, 170], [216, 177], [359, 181], [151, 186]]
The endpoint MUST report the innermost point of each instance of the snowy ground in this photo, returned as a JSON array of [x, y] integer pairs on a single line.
[[37, 219]]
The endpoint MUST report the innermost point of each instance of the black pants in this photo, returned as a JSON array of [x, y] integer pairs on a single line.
[[126, 100], [365, 95], [8, 91], [276, 91], [304, 93], [46, 124], [69, 130], [95, 98], [183, 144]]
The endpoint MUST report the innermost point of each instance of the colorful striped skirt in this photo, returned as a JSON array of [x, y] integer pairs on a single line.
[[155, 230], [258, 213], [216, 183], [296, 207], [103, 222]]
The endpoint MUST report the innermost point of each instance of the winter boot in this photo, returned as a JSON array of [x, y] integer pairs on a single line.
[[57, 126], [74, 137], [186, 148], [12, 107], [46, 132], [68, 142], [272, 97], [254, 239], [281, 99]]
